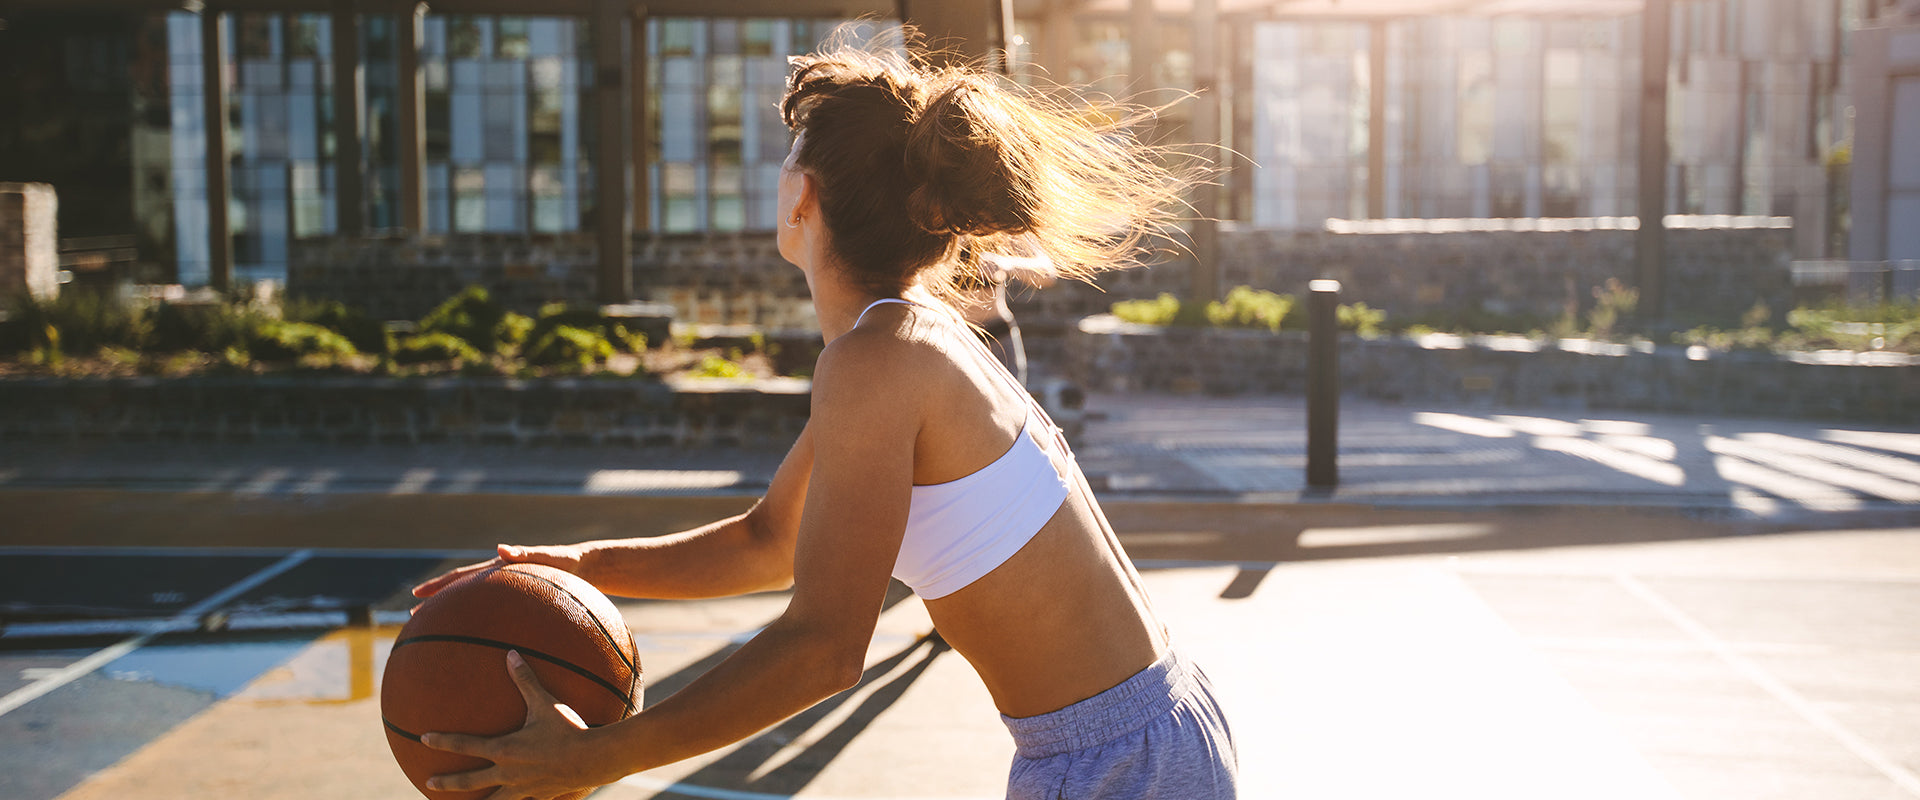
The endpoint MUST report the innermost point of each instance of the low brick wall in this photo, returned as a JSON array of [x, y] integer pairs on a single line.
[[405, 411], [1536, 269], [1104, 353]]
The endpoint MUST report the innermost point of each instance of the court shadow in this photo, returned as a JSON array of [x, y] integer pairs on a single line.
[[746, 768]]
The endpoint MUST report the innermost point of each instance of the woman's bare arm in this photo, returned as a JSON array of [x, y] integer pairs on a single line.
[[749, 552]]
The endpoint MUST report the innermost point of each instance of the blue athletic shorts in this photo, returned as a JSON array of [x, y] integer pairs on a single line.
[[1159, 734]]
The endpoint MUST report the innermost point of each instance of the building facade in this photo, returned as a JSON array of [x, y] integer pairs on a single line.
[[1475, 116]]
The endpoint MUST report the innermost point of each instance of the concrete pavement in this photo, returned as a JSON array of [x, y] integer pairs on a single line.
[[1492, 605]]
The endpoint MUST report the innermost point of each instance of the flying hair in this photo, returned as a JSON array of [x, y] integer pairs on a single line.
[[927, 172]]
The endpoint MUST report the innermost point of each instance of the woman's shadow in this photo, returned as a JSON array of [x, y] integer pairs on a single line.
[[742, 769]]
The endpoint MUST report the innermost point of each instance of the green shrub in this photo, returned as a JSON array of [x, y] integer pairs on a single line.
[[473, 317], [205, 327], [367, 334], [1613, 303], [714, 366], [423, 348], [1158, 311], [291, 341], [570, 347], [86, 321], [1367, 322], [1246, 307]]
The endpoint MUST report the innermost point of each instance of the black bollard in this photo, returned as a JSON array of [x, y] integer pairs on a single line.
[[1323, 384]]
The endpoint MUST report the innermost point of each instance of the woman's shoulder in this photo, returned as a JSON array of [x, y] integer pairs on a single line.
[[901, 358]]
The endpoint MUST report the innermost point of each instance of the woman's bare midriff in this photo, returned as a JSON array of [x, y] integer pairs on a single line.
[[1054, 625]]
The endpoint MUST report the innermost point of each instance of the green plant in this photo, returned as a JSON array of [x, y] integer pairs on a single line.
[[1367, 322], [1613, 302], [368, 335], [1246, 307], [1161, 310], [291, 341], [568, 346], [422, 348], [713, 366], [474, 317]]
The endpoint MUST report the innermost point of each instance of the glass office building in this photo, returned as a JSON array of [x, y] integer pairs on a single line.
[[1483, 116]]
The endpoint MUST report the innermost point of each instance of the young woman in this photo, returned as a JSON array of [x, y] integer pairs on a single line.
[[923, 460]]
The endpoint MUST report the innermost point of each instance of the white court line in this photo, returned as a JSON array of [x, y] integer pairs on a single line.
[[711, 793], [1809, 712], [75, 671]]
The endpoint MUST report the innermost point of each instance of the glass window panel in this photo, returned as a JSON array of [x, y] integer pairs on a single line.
[[510, 38], [756, 37], [469, 200], [464, 36], [678, 36]]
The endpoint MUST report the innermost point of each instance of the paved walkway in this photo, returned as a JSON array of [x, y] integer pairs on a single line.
[[1492, 605], [1142, 447]]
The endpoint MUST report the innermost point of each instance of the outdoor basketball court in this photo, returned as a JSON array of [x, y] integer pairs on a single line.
[[1377, 654]]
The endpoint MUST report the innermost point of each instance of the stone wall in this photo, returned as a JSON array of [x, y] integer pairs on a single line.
[[1415, 268], [1105, 354], [1515, 270], [766, 414], [727, 279], [29, 246]]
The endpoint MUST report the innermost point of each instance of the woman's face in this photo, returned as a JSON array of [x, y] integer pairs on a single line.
[[792, 224]]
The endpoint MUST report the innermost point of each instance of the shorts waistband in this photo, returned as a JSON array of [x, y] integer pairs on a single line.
[[1127, 707]]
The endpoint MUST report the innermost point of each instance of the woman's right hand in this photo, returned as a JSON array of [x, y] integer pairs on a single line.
[[566, 557]]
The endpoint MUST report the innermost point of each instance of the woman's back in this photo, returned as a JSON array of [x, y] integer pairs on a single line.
[[1057, 621]]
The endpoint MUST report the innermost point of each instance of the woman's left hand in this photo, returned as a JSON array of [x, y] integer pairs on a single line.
[[548, 757]]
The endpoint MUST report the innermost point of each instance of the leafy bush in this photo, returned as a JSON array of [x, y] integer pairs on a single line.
[[1158, 311], [86, 321], [422, 348], [291, 341], [1360, 319], [568, 346], [368, 335], [474, 318], [1613, 303], [714, 366], [206, 327], [1246, 307]]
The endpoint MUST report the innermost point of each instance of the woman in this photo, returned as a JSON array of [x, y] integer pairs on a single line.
[[922, 459]]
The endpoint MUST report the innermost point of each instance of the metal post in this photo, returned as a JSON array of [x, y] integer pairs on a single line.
[[213, 47], [1323, 384]]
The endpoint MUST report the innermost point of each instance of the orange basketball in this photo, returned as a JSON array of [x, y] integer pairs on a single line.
[[448, 669]]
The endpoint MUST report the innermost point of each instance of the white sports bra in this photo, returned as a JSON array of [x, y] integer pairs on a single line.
[[961, 530]]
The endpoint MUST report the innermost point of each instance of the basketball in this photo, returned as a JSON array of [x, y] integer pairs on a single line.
[[447, 672]]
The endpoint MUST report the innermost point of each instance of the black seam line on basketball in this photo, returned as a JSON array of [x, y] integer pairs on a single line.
[[399, 731], [632, 668], [415, 737], [525, 651]]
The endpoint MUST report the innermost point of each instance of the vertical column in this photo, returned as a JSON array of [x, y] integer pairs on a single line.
[[1055, 52], [1377, 119], [972, 32], [612, 225], [350, 200], [1142, 44], [642, 129], [413, 120], [213, 53], [1651, 240], [1204, 283]]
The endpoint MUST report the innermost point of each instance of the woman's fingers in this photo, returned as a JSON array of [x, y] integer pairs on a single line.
[[443, 580], [463, 744], [464, 781]]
